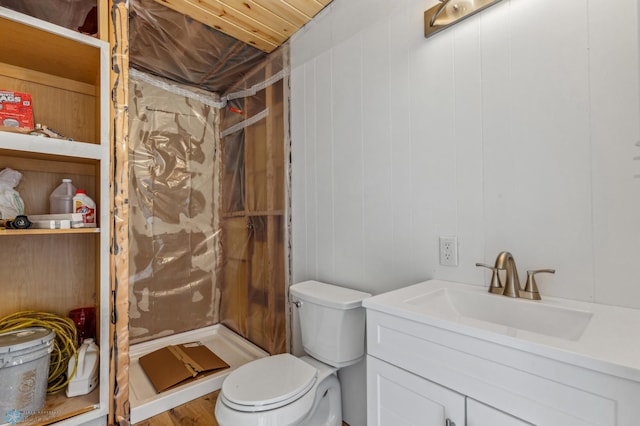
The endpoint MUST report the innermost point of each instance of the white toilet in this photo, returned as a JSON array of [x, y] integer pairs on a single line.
[[283, 390]]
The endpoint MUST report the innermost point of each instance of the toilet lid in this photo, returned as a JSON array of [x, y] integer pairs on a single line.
[[268, 383]]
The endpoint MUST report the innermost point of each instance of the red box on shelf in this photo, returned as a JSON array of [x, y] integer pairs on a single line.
[[16, 110]]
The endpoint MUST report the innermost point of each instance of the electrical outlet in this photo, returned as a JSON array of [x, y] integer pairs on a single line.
[[449, 251]]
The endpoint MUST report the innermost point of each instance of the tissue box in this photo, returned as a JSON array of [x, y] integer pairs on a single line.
[[16, 110]]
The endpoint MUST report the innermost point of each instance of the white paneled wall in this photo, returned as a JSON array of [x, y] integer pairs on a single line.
[[514, 130]]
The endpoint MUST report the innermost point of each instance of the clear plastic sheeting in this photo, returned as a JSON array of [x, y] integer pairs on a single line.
[[253, 291], [247, 102], [172, 45], [66, 13], [174, 223]]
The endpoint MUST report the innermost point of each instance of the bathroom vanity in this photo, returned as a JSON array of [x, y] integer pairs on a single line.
[[445, 353]]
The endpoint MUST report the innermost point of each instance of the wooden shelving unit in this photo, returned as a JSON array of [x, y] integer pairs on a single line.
[[67, 75]]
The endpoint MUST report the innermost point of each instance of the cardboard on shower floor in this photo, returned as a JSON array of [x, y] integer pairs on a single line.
[[177, 364]]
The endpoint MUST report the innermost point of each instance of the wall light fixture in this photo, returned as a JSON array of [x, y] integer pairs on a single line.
[[449, 12]]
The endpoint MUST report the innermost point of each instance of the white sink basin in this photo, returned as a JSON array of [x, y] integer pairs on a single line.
[[534, 316], [591, 335]]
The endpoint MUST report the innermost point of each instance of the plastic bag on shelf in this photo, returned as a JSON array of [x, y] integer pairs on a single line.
[[11, 204]]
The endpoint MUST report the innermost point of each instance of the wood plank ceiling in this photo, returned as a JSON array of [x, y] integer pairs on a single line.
[[263, 24]]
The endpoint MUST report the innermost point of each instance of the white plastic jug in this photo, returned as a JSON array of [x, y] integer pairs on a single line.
[[61, 199], [85, 378], [83, 204]]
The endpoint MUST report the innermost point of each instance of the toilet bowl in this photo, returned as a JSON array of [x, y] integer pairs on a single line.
[[283, 390]]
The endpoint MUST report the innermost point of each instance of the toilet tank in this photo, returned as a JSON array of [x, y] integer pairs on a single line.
[[332, 322]]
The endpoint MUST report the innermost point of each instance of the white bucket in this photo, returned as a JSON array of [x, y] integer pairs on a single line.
[[24, 370]]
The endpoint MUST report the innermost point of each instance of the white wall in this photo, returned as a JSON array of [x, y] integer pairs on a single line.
[[514, 130]]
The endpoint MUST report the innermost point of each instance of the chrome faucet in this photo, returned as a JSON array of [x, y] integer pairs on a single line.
[[506, 261]]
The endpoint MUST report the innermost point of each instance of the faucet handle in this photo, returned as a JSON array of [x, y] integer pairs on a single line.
[[496, 285], [531, 288]]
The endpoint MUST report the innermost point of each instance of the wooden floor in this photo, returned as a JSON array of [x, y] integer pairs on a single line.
[[197, 412]]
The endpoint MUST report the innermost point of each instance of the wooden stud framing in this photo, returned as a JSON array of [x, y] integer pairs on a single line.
[[254, 301], [103, 20], [119, 412]]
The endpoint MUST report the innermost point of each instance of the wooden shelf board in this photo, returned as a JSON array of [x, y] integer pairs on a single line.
[[53, 164], [7, 232], [53, 50], [47, 79], [40, 147], [58, 407]]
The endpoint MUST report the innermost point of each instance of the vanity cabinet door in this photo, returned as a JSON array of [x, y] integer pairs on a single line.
[[398, 398], [479, 414]]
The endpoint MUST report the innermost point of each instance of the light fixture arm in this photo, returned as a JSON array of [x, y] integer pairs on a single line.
[[443, 4]]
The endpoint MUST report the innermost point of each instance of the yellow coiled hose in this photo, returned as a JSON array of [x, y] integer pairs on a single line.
[[64, 345]]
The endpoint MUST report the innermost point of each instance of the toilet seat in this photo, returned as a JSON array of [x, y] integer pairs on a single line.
[[268, 383]]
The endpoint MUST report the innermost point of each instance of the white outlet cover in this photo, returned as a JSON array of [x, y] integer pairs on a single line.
[[449, 251]]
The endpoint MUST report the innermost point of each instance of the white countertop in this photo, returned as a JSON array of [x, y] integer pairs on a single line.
[[610, 342]]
